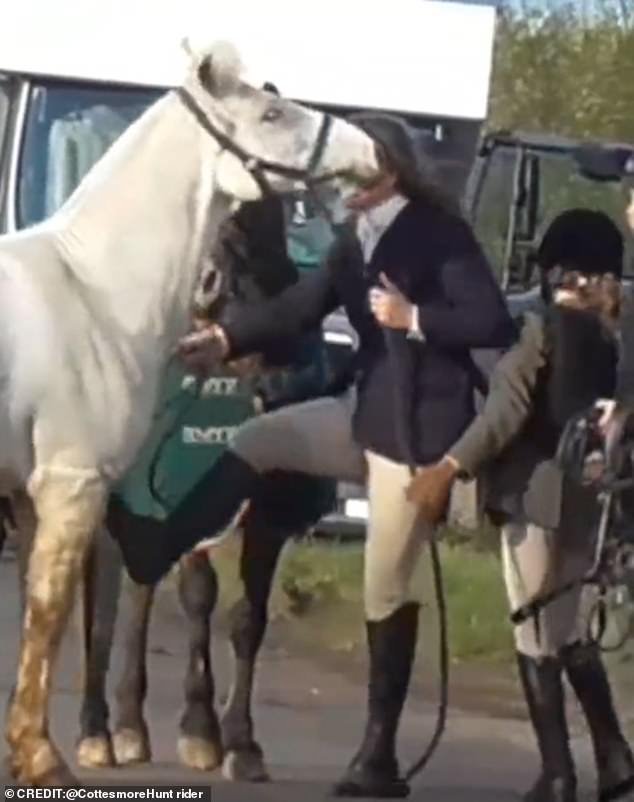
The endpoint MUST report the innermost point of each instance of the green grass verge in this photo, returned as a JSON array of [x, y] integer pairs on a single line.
[[320, 585]]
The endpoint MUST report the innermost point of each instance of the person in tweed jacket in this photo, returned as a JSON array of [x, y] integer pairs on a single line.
[[565, 360]]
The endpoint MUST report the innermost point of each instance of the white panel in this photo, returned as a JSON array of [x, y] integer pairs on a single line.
[[418, 56]]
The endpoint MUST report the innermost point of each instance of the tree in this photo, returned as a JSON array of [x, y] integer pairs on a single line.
[[566, 71]]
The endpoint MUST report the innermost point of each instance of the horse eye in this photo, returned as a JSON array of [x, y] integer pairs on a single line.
[[271, 115]]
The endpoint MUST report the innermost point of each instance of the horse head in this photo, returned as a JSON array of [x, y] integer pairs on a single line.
[[270, 143]]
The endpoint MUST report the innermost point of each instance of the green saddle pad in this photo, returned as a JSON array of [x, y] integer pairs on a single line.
[[192, 428]]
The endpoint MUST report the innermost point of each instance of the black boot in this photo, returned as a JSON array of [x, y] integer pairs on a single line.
[[151, 547], [543, 689], [615, 764], [373, 771]]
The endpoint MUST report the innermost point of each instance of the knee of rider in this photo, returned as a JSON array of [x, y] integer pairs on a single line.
[[254, 444]]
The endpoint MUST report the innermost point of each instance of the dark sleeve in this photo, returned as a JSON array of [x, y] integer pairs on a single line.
[[509, 402], [473, 312], [625, 379], [250, 327]]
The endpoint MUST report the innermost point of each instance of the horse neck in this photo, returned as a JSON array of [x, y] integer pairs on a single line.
[[137, 228]]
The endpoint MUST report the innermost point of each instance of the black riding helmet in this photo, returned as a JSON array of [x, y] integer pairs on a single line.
[[583, 355], [583, 240]]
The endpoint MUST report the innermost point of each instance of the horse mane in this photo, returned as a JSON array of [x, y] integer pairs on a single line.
[[250, 259]]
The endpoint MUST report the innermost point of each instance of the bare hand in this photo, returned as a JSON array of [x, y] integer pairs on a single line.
[[389, 306], [430, 489], [203, 350]]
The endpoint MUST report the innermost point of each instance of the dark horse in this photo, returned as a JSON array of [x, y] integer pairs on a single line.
[[251, 264]]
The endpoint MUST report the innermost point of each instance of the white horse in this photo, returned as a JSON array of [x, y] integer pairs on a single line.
[[92, 303]]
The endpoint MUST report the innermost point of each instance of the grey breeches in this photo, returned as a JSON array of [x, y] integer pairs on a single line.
[[316, 438], [535, 561]]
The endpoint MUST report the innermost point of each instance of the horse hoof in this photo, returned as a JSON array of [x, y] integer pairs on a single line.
[[131, 746], [245, 765], [199, 753], [41, 767], [95, 752], [60, 776]]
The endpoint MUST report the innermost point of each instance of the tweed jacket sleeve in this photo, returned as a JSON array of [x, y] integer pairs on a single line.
[[625, 384], [509, 401]]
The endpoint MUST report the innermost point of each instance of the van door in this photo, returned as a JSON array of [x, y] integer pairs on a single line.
[[10, 90]]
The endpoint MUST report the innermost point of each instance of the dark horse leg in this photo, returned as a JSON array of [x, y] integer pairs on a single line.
[[199, 743], [100, 597], [25, 523], [262, 545], [131, 739]]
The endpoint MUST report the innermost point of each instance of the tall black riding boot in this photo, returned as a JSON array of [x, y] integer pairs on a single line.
[[374, 771], [588, 677], [150, 547], [543, 689]]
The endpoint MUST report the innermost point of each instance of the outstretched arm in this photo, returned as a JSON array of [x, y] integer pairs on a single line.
[[507, 408], [250, 327]]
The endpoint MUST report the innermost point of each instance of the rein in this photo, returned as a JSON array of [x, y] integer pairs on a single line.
[[254, 165]]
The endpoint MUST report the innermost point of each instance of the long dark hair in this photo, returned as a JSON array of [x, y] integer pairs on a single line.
[[401, 152], [425, 185]]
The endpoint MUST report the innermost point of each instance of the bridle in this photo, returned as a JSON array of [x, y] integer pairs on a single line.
[[256, 166]]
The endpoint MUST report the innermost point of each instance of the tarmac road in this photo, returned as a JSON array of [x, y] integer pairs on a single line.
[[308, 720]]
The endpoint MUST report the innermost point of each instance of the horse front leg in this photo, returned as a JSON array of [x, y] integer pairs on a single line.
[[69, 506], [25, 519], [199, 743], [261, 549], [100, 597], [131, 739]]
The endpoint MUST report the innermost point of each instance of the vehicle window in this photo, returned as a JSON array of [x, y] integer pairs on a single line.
[[69, 127], [308, 233], [561, 188], [4, 108], [491, 217]]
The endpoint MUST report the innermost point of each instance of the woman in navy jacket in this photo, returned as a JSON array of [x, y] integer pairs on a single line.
[[419, 292]]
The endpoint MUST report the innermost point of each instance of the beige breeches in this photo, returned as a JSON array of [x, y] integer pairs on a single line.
[[316, 438], [536, 561]]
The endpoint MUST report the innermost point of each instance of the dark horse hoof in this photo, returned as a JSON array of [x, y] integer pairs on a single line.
[[617, 791], [245, 765], [369, 783]]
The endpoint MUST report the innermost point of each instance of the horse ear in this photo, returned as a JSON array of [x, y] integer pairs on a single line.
[[219, 71]]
